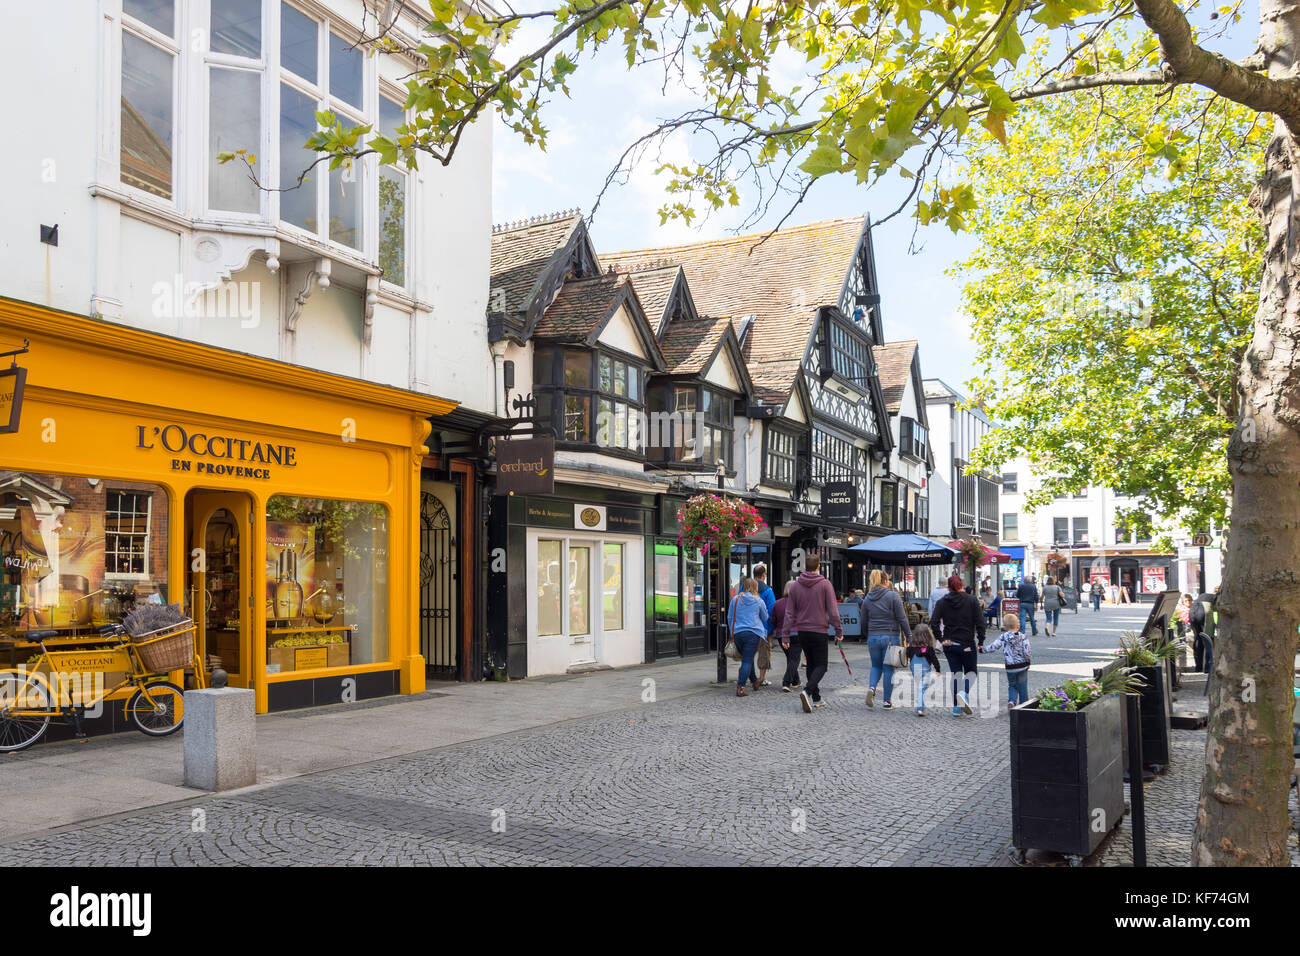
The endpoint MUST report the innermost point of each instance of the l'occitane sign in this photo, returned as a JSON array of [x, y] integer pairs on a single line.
[[210, 452]]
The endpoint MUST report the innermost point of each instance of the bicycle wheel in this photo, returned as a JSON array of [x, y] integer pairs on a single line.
[[159, 714], [19, 732]]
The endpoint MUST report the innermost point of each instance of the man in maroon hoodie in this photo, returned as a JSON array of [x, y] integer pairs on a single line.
[[809, 614]]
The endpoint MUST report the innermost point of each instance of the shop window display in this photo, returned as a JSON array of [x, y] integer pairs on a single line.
[[326, 583], [77, 554]]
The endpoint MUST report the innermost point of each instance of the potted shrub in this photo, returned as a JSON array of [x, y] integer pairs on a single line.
[[1067, 775]]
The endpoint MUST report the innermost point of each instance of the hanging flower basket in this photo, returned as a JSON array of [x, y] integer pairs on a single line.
[[972, 553], [1057, 561], [716, 522]]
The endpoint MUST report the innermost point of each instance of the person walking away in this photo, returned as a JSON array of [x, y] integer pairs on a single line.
[[810, 614], [791, 646], [958, 621], [937, 594], [1028, 595], [1202, 618], [1015, 652], [887, 625], [748, 617], [1053, 601], [1096, 591], [921, 658], [763, 658]]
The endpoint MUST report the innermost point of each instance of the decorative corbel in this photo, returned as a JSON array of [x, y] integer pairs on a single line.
[[318, 276], [368, 318]]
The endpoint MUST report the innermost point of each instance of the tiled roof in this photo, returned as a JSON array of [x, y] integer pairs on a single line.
[[581, 306], [520, 254], [894, 362], [689, 343], [654, 285], [781, 280]]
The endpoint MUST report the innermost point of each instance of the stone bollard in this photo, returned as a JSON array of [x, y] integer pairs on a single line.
[[220, 739]]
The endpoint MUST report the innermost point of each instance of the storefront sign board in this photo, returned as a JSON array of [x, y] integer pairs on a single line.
[[839, 501], [526, 466], [12, 382]]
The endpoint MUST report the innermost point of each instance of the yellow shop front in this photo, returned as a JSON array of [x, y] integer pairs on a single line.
[[277, 504]]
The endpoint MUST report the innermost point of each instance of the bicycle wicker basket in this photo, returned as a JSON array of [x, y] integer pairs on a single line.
[[170, 650]]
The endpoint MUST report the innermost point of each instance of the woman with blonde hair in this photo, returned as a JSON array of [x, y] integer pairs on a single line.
[[887, 625]]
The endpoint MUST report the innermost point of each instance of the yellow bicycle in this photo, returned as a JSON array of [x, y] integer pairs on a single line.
[[54, 684]]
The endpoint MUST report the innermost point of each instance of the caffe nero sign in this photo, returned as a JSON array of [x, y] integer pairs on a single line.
[[526, 466], [839, 501]]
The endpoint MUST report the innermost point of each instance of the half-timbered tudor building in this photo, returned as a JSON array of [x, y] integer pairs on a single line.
[[806, 307]]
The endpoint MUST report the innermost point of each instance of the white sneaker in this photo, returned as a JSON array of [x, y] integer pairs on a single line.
[[871, 697], [964, 704], [805, 702]]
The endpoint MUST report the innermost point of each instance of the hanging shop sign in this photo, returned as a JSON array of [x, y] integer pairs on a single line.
[[206, 454], [839, 501], [12, 382], [526, 466]]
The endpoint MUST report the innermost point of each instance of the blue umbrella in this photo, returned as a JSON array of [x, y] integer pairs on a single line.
[[905, 549]]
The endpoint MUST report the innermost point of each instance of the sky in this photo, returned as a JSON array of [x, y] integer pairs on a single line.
[[611, 106]]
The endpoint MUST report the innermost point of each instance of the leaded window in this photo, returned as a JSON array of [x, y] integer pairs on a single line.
[[590, 397], [779, 458]]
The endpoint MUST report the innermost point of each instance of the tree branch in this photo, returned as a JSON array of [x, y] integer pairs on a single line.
[[1191, 63], [1094, 80]]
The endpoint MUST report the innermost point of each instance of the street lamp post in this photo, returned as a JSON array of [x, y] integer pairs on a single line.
[[720, 604]]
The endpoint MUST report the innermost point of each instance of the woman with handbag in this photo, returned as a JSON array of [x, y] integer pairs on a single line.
[[1053, 601], [886, 626], [748, 619]]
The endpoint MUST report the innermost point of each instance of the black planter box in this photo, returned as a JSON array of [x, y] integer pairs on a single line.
[[1157, 710], [1067, 779]]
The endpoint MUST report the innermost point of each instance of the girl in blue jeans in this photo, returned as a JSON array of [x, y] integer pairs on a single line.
[[923, 658], [748, 617]]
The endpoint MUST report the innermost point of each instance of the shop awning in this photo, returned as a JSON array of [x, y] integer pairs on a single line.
[[904, 548]]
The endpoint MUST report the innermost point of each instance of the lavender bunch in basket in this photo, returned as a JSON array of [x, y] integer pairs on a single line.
[[153, 617]]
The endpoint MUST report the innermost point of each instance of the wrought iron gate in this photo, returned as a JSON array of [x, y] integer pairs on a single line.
[[438, 641]]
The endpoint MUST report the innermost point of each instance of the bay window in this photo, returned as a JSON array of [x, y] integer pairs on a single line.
[[264, 96], [590, 397], [692, 424]]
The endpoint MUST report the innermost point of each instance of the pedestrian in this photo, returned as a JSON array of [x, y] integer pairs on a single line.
[[922, 659], [1028, 595], [748, 617], [791, 646], [810, 614], [887, 625], [937, 594], [1203, 619], [960, 624], [1183, 616], [763, 659], [1053, 601], [1096, 591], [1015, 652]]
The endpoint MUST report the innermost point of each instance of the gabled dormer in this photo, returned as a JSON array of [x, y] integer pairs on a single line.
[[693, 405], [593, 349], [531, 260]]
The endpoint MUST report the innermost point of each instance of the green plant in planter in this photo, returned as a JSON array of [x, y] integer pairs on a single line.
[[1075, 694], [1138, 651]]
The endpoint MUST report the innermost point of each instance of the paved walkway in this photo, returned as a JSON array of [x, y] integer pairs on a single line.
[[575, 770]]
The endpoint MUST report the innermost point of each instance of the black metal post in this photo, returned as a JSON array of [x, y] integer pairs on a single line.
[[720, 604], [1136, 797], [1200, 570]]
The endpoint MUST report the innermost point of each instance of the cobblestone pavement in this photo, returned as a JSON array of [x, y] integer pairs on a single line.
[[698, 780]]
